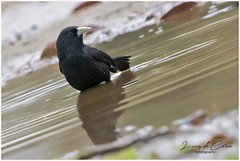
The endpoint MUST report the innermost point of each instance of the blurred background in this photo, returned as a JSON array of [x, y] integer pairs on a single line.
[[182, 86]]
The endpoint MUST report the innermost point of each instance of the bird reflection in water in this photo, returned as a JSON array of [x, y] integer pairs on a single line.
[[96, 109]]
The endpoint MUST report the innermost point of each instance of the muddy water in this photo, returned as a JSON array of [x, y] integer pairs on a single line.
[[174, 72]]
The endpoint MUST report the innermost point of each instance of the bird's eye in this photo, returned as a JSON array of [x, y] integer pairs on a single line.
[[73, 32]]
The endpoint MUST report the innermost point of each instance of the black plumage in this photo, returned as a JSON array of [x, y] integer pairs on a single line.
[[84, 66]]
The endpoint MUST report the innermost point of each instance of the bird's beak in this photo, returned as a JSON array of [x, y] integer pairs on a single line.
[[81, 30]]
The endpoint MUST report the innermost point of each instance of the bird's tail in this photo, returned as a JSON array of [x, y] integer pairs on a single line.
[[122, 62]]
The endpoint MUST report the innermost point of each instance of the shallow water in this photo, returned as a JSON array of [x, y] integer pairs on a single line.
[[173, 73]]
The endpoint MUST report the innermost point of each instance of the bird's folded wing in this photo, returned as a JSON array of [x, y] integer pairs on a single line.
[[100, 56]]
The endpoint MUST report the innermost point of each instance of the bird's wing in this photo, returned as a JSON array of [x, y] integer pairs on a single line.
[[101, 56]]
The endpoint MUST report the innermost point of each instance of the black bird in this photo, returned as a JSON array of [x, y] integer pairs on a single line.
[[84, 66]]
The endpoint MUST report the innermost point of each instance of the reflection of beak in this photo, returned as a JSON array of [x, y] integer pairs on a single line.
[[81, 30]]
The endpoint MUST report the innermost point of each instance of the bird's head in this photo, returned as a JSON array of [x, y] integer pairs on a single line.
[[71, 35]]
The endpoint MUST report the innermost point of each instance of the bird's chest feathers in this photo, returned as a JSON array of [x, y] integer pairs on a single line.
[[75, 57], [75, 61]]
